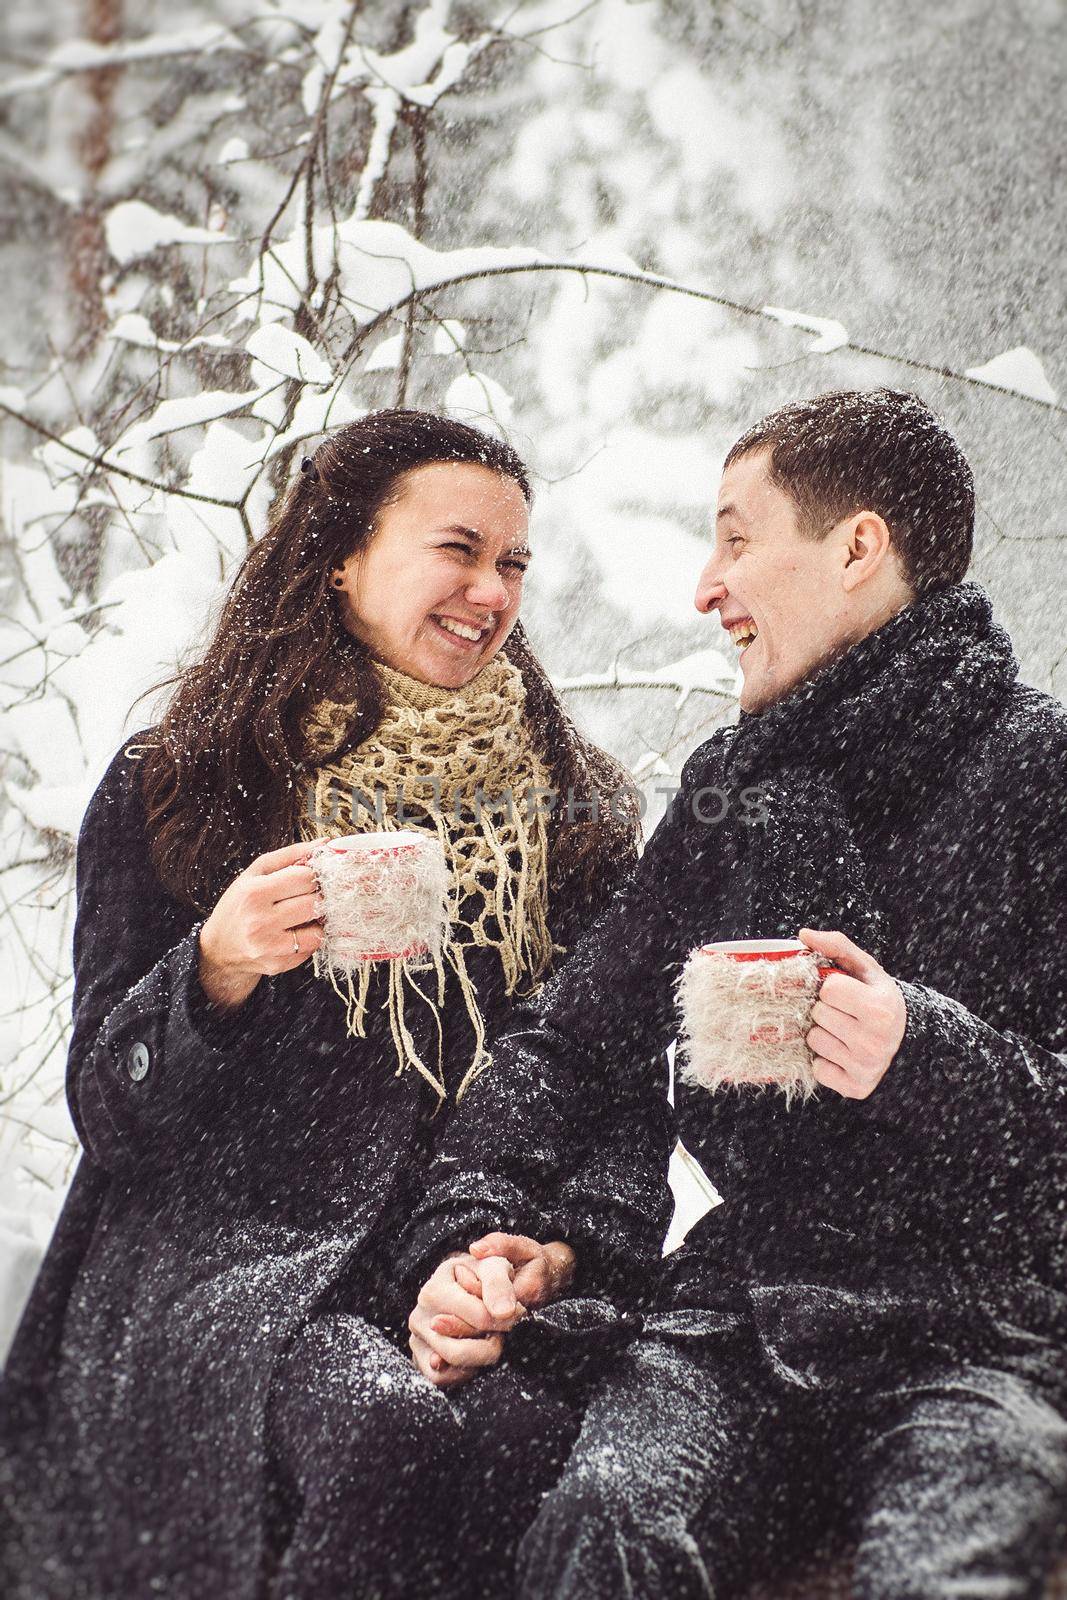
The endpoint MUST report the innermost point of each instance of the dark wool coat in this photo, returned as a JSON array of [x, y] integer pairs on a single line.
[[911, 795], [239, 1175]]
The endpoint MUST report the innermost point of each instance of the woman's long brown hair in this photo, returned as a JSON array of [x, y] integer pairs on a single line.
[[226, 770]]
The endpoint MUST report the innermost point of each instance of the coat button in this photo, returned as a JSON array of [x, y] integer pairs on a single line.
[[138, 1061]]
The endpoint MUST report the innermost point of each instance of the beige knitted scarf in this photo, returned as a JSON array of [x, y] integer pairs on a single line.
[[459, 763]]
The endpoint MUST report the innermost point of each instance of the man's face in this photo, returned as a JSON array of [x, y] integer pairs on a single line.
[[779, 592]]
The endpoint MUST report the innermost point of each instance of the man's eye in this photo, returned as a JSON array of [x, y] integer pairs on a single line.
[[735, 539]]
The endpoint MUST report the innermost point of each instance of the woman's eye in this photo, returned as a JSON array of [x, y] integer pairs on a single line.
[[471, 553]]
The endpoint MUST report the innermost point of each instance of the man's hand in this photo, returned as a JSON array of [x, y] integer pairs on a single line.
[[858, 1021], [541, 1271], [462, 1313]]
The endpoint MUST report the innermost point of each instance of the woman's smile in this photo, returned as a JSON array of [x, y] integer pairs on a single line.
[[461, 634]]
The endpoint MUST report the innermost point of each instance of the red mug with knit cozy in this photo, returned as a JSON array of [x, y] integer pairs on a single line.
[[383, 896], [746, 1010]]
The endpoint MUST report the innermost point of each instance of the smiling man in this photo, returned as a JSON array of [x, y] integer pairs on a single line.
[[795, 585], [867, 1337]]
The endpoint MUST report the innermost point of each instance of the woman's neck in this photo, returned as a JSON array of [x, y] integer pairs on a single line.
[[413, 692]]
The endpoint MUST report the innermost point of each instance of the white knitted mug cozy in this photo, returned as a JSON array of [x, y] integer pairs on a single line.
[[384, 897], [746, 1008]]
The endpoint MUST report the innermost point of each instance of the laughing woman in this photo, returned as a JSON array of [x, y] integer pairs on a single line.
[[199, 1401]]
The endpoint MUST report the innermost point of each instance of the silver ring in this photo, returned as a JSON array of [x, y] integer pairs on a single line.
[[296, 945]]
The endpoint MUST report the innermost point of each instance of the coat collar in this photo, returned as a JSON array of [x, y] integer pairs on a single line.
[[893, 713]]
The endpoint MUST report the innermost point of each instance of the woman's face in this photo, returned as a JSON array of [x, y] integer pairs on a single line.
[[436, 591]]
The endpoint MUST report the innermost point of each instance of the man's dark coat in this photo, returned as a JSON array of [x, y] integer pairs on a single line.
[[912, 796], [237, 1178]]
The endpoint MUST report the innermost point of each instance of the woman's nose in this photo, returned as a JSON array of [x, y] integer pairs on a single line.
[[488, 589]]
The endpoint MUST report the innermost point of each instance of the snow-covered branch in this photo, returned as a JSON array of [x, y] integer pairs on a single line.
[[84, 55], [1017, 372], [703, 672]]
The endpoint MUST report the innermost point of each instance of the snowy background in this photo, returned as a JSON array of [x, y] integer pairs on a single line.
[[621, 231]]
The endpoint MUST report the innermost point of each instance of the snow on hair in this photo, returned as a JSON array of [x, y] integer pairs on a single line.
[[880, 450]]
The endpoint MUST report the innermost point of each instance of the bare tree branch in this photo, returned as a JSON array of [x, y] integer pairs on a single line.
[[653, 280], [101, 461]]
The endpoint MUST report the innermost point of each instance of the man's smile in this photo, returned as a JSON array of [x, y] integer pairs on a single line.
[[742, 631]]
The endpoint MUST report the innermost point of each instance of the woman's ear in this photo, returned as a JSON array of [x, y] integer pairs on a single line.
[[869, 543]]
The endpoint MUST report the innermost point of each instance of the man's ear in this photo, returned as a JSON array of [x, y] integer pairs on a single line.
[[868, 544]]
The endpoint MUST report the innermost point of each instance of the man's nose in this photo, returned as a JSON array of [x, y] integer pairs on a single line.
[[710, 590]]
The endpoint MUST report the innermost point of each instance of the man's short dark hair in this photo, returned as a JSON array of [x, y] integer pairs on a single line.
[[880, 450]]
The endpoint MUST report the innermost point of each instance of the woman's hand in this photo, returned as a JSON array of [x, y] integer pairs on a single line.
[[461, 1315], [264, 923], [472, 1300]]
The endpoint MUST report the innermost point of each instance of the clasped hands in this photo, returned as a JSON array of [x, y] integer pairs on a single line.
[[477, 1296]]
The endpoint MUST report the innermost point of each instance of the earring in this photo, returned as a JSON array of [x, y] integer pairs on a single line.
[[338, 582]]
